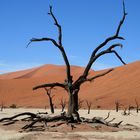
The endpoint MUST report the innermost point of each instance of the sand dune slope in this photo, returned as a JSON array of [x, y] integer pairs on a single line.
[[122, 84]]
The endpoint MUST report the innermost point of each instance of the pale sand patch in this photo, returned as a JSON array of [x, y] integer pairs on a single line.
[[123, 135], [133, 119], [128, 135], [10, 135]]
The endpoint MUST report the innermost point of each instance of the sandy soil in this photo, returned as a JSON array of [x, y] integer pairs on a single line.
[[129, 130]]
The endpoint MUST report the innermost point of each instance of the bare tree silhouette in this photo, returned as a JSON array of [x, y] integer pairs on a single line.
[[88, 105], [2, 106], [63, 103], [73, 87], [48, 92], [137, 106], [117, 104]]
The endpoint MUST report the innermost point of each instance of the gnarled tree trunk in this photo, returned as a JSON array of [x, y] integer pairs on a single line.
[[73, 103]]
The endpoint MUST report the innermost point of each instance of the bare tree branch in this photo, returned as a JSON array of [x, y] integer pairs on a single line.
[[115, 45], [43, 39], [69, 77], [48, 91], [99, 75], [118, 56], [88, 105], [58, 45], [51, 85], [109, 50], [58, 25], [83, 78], [116, 36], [137, 105], [63, 103], [107, 116], [121, 22]]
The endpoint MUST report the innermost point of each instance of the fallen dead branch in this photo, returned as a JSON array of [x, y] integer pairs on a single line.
[[44, 119], [32, 115]]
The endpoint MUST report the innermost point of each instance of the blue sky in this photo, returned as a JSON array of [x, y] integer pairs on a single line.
[[85, 24]]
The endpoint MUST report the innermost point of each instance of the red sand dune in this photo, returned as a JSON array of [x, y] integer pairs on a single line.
[[122, 84]]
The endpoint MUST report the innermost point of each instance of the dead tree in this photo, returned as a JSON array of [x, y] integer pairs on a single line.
[[2, 106], [73, 87], [117, 105], [125, 112], [48, 91], [80, 102], [129, 108], [88, 105], [63, 104], [137, 106]]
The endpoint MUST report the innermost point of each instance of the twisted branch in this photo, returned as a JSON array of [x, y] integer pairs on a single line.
[[58, 45], [83, 78], [116, 36], [99, 75], [43, 39], [51, 85], [118, 56], [58, 26]]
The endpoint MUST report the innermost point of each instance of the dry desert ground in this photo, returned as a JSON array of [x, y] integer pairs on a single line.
[[128, 130]]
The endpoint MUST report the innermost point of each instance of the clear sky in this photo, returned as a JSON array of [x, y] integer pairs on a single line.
[[85, 24]]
